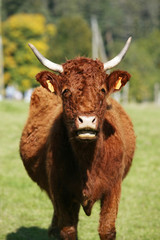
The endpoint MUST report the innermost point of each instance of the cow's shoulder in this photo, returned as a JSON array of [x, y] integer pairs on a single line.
[[43, 99]]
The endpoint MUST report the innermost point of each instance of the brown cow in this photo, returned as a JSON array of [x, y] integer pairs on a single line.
[[78, 142]]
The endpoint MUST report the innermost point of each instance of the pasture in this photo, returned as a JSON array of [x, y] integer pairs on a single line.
[[25, 211]]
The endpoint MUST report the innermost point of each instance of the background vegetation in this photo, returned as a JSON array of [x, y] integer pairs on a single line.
[[61, 30], [26, 212]]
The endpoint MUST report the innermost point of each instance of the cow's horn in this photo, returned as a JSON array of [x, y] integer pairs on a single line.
[[47, 63], [116, 60]]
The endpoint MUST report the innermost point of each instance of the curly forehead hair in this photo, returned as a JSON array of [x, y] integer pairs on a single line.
[[84, 68]]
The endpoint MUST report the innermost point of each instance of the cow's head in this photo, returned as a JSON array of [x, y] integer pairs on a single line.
[[84, 87]]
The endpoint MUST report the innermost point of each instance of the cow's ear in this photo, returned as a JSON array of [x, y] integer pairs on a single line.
[[116, 80], [49, 80]]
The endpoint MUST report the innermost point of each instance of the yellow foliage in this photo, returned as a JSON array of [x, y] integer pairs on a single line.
[[10, 49], [33, 71], [26, 84], [28, 56], [18, 31], [23, 70], [7, 77], [34, 22], [28, 71], [5, 41], [51, 29], [17, 34], [9, 62]]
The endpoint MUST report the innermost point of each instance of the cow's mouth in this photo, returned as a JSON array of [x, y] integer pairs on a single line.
[[86, 134]]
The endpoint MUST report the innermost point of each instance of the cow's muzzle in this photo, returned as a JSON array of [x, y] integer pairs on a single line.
[[87, 127]]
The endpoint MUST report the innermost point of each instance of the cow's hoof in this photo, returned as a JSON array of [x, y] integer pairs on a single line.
[[54, 232], [68, 233], [109, 236]]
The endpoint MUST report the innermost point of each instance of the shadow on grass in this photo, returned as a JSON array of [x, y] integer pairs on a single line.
[[31, 233]]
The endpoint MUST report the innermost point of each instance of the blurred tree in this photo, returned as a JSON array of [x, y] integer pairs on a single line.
[[64, 7], [20, 64], [73, 39], [117, 20], [119, 17], [140, 17], [152, 43], [11, 7]]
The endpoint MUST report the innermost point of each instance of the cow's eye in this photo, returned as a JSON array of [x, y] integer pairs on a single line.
[[66, 92], [103, 90]]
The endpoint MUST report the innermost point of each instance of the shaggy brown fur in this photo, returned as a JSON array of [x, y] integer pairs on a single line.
[[77, 172]]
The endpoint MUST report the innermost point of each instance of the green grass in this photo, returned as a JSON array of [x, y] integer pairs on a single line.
[[25, 211]]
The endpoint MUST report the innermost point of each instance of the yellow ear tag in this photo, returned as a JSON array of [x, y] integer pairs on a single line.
[[50, 86], [118, 83]]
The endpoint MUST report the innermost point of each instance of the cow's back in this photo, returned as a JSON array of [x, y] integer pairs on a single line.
[[44, 109]]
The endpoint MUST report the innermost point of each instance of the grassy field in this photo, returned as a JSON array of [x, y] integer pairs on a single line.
[[25, 211]]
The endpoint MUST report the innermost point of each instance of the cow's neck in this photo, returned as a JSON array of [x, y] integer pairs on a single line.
[[88, 154]]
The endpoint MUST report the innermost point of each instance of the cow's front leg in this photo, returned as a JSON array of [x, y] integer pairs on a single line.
[[68, 221], [53, 230], [108, 215], [65, 220]]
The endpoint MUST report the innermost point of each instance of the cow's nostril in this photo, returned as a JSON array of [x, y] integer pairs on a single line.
[[94, 120], [80, 119]]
